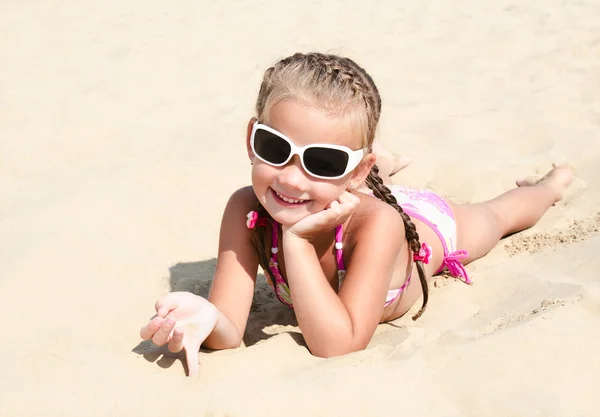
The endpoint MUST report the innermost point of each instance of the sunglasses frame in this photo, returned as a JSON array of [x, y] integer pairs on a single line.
[[354, 157]]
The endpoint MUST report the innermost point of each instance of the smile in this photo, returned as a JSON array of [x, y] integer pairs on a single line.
[[287, 199]]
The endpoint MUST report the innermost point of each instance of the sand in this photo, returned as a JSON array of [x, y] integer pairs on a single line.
[[122, 136]]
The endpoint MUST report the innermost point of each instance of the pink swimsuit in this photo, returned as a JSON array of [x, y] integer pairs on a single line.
[[282, 291], [421, 204]]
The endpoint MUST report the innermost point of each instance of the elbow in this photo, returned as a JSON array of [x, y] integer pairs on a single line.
[[221, 340], [331, 351], [221, 344], [328, 354], [337, 344]]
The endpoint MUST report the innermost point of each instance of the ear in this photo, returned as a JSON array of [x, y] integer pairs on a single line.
[[251, 123], [362, 171]]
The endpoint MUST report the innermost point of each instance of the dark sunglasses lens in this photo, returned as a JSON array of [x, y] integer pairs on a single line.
[[325, 162], [271, 147]]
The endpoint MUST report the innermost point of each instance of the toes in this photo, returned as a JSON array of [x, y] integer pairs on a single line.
[[528, 181], [400, 162]]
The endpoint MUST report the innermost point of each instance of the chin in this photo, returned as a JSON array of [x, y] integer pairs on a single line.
[[286, 217]]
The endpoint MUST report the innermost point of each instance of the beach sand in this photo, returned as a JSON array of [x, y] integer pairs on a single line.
[[122, 136]]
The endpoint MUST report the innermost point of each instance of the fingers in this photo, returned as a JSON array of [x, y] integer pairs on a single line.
[[163, 334], [165, 304], [334, 206], [176, 342], [344, 205], [151, 327], [191, 350], [338, 210], [345, 196], [349, 199], [175, 337], [191, 357]]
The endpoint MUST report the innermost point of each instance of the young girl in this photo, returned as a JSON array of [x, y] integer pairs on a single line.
[[344, 260]]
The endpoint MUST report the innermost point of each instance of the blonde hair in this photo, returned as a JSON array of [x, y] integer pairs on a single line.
[[335, 85], [339, 87]]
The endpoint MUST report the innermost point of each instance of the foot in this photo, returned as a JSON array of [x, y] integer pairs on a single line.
[[399, 162], [388, 162], [558, 179]]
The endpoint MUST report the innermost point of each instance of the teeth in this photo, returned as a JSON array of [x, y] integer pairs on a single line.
[[288, 200]]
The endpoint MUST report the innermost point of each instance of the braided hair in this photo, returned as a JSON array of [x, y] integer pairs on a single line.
[[340, 86], [375, 183]]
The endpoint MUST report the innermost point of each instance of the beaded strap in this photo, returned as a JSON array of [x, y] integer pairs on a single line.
[[339, 254], [254, 220]]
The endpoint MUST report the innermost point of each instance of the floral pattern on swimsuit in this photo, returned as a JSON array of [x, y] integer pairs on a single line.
[[434, 211], [280, 287], [425, 196]]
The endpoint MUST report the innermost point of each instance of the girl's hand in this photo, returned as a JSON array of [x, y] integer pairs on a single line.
[[335, 214], [183, 321]]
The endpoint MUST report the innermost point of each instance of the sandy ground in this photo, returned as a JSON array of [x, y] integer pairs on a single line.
[[122, 136]]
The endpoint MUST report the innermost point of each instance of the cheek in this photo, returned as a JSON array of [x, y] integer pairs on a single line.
[[325, 193], [261, 173]]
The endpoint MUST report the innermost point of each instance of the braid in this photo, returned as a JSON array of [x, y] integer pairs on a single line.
[[365, 85], [375, 183]]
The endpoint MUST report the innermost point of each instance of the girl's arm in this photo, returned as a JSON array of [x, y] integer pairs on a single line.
[[335, 324], [220, 321], [185, 321], [235, 276]]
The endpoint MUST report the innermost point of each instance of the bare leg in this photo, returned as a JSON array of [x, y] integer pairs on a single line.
[[480, 226]]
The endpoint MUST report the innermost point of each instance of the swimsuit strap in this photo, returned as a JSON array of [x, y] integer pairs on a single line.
[[274, 241], [280, 286], [339, 254]]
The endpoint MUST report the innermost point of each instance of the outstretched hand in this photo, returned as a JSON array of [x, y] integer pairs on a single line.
[[336, 213], [183, 321]]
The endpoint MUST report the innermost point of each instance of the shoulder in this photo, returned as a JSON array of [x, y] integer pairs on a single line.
[[373, 223], [374, 216], [242, 201], [244, 195]]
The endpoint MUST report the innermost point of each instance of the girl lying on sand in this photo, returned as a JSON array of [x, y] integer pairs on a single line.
[[343, 259]]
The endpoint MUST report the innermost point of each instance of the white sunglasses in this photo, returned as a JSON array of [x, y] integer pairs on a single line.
[[322, 161]]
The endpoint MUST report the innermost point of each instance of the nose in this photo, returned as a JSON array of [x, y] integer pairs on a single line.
[[292, 175]]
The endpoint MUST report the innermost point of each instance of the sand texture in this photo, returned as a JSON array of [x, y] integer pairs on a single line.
[[122, 135]]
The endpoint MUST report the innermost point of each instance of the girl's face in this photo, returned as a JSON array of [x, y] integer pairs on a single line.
[[288, 192]]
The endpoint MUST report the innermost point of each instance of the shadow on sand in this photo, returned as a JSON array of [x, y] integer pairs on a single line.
[[196, 277]]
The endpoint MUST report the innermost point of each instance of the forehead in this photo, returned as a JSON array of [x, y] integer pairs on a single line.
[[307, 126]]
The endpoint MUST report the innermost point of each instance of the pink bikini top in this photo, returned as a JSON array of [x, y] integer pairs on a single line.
[[280, 287], [282, 291]]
